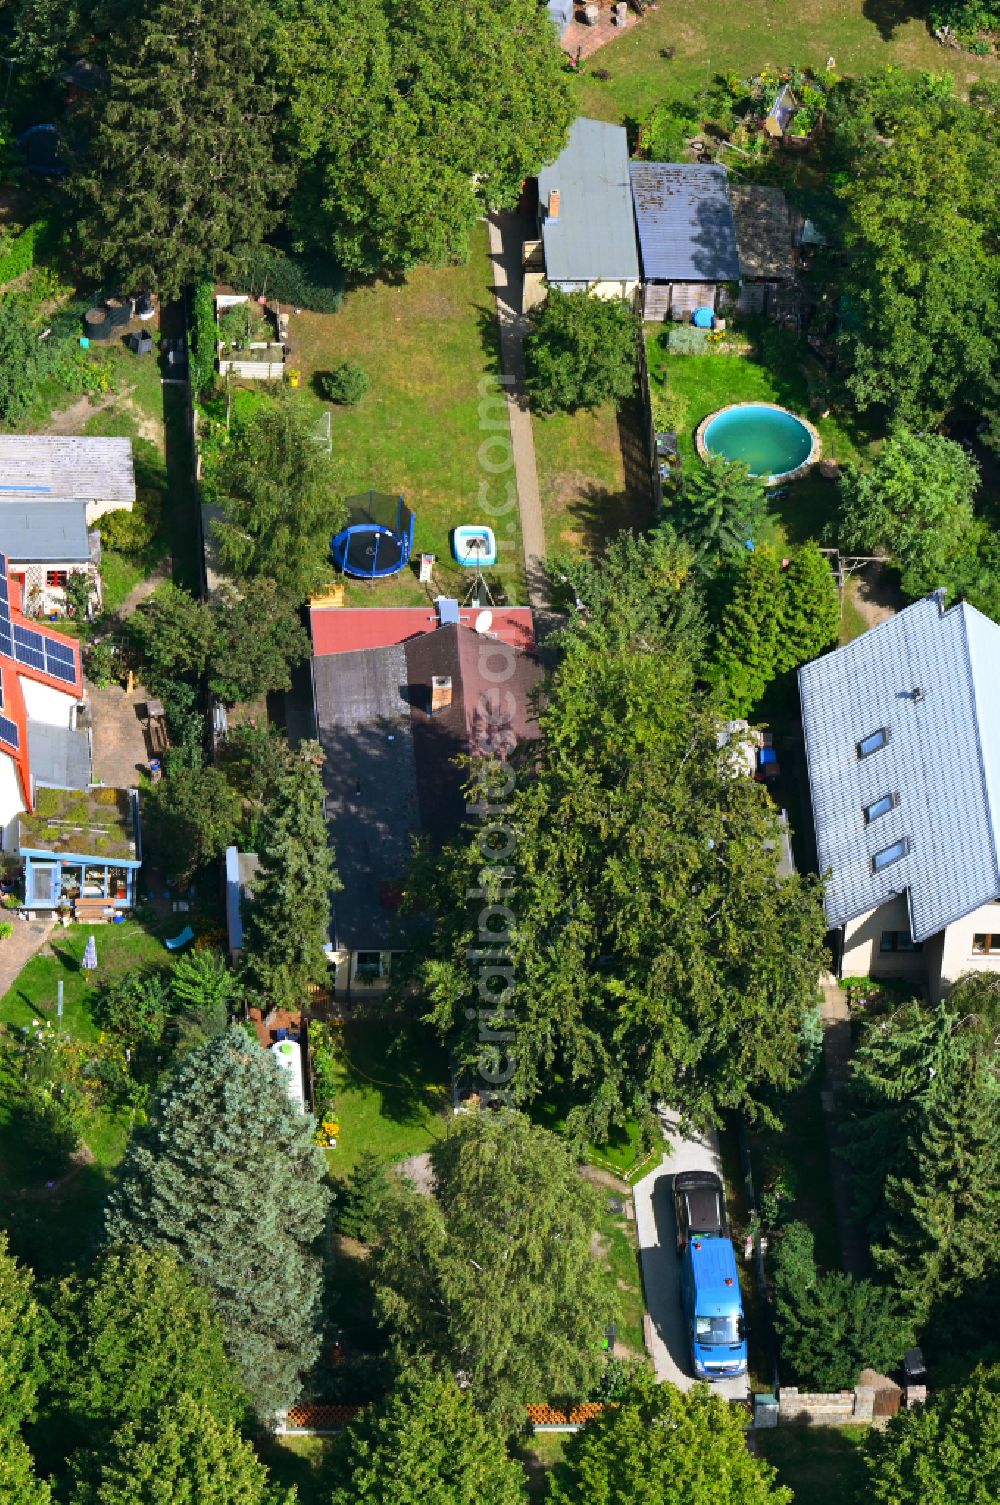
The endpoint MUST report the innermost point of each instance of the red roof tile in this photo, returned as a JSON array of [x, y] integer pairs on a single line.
[[345, 629]]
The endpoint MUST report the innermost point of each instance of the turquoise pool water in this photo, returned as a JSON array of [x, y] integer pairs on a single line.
[[768, 441]]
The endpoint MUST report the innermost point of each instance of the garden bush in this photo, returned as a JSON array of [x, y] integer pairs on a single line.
[[582, 352], [202, 354], [133, 532], [305, 281], [346, 383], [670, 409], [18, 252], [831, 1326], [48, 1129], [101, 660]]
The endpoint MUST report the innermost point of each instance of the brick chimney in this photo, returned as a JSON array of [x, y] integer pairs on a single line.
[[554, 203], [440, 693]]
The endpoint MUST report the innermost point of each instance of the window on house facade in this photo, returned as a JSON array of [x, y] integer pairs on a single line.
[[369, 965], [895, 941], [985, 945], [880, 807], [890, 854], [55, 577], [873, 742]]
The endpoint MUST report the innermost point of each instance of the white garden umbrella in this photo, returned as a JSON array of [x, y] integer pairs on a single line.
[[90, 956]]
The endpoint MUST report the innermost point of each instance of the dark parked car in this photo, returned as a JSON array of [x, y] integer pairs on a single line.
[[699, 1206]]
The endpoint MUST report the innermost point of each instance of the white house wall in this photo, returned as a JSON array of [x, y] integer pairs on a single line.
[[945, 957], [98, 509], [862, 954], [11, 802], [47, 705], [957, 955]]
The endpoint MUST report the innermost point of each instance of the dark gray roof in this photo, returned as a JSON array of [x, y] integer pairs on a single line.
[[59, 756], [763, 231], [391, 771], [685, 222], [930, 678], [44, 532], [593, 238], [363, 723]]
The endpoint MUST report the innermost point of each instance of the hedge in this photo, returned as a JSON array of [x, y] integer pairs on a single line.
[[306, 281], [202, 337], [19, 253]]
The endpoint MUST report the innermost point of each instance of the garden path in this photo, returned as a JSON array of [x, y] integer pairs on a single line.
[[17, 950], [507, 231], [837, 1050]]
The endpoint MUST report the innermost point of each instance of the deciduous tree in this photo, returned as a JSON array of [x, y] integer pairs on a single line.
[[173, 633], [226, 1177], [493, 1278], [944, 1453], [21, 1371], [280, 508], [186, 1456], [914, 504], [192, 816], [921, 192], [582, 351], [644, 592], [408, 121], [257, 638], [427, 1445], [176, 156], [655, 955], [130, 1340], [660, 1443]]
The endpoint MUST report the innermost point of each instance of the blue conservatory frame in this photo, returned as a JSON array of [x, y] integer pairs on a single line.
[[87, 867]]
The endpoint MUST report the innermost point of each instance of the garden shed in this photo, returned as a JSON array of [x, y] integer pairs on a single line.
[[765, 237], [687, 236]]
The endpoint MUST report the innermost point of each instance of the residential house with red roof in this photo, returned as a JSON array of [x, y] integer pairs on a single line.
[[401, 697], [78, 842]]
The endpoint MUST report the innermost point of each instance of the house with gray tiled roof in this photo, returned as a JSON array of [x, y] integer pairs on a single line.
[[902, 737], [586, 229], [687, 236]]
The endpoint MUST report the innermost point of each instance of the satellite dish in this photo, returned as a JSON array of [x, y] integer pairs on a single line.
[[483, 622]]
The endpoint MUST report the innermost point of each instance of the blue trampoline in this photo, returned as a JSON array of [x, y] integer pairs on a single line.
[[378, 538]]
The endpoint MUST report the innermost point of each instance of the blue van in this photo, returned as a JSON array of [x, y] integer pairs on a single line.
[[710, 1291]]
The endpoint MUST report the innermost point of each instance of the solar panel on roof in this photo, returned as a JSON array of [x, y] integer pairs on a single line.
[[60, 661], [9, 732], [6, 638], [29, 647]]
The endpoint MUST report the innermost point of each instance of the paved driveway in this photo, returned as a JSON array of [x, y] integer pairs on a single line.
[[654, 1217]]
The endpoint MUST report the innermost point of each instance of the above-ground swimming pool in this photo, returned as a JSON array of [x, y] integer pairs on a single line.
[[770, 441]]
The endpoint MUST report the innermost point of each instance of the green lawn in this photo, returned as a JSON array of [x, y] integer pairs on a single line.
[[53, 1226], [776, 370], [581, 480], [299, 1461], [428, 343], [820, 1465], [392, 1092], [621, 1263], [860, 35]]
